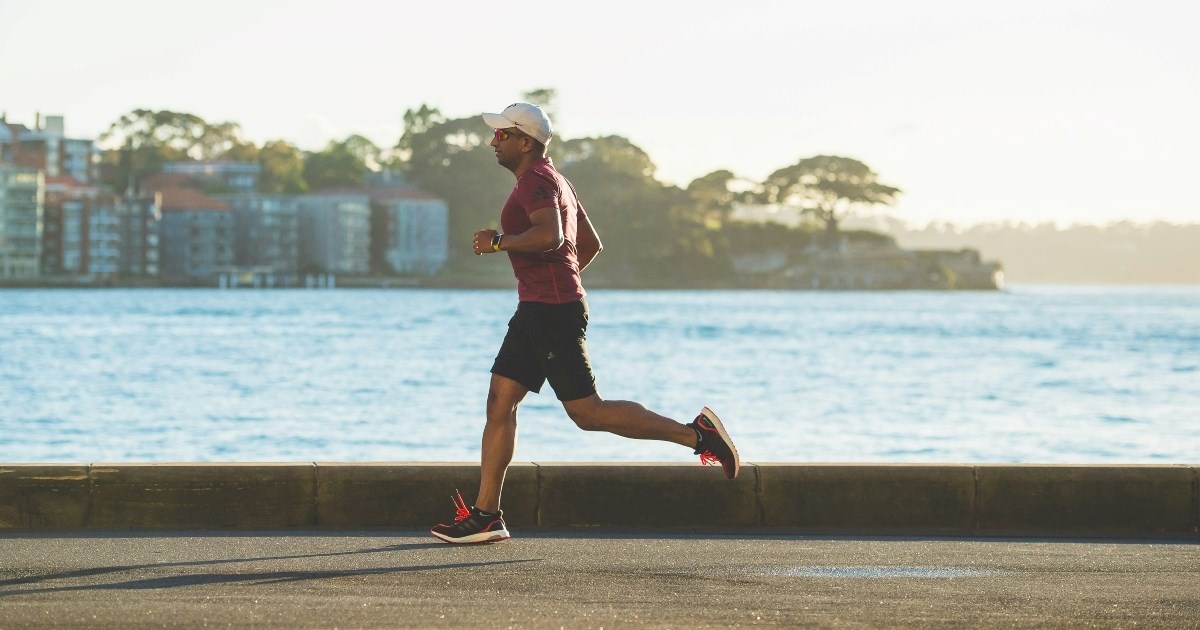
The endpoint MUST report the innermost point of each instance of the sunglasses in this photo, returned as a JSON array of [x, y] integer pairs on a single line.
[[503, 135]]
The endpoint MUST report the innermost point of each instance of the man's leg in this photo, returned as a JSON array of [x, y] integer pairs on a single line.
[[499, 439], [627, 419], [706, 433]]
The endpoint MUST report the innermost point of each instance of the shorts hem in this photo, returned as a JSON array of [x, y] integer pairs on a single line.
[[537, 389]]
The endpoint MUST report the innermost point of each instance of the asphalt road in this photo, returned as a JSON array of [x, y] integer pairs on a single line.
[[591, 579]]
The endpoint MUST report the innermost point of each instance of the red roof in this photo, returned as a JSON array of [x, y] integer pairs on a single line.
[[17, 129], [160, 181], [61, 187], [184, 199], [64, 181], [30, 159]]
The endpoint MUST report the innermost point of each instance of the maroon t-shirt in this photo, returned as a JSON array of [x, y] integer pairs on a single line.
[[551, 276]]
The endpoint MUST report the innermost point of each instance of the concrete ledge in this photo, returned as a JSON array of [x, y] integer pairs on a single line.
[[1093, 500], [1021, 500], [204, 496], [44, 497], [869, 497], [413, 495], [645, 496]]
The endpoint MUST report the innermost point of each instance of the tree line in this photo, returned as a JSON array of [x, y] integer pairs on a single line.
[[657, 234]]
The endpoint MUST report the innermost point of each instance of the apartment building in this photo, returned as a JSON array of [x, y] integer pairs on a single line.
[[196, 236], [335, 232], [81, 233], [46, 147], [21, 213], [410, 230], [140, 219], [268, 233]]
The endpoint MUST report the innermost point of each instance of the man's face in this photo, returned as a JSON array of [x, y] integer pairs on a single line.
[[509, 145]]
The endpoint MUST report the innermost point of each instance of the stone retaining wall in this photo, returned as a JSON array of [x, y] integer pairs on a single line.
[[930, 499]]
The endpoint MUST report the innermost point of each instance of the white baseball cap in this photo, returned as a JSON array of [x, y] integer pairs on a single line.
[[527, 117]]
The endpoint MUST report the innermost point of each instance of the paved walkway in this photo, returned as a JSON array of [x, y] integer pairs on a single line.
[[592, 579]]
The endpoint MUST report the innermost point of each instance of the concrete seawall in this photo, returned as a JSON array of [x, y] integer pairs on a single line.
[[932, 499]]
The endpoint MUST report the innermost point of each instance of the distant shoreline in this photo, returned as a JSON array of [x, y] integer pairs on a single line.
[[451, 284]]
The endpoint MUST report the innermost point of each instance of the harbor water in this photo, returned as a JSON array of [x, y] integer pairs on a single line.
[[1030, 374]]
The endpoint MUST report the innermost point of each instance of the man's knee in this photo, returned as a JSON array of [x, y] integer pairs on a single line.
[[504, 395], [500, 397], [586, 414]]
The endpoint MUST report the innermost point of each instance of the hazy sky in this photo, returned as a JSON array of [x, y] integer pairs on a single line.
[[1068, 111]]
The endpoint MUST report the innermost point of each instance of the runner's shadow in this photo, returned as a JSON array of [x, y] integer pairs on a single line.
[[265, 577], [80, 573]]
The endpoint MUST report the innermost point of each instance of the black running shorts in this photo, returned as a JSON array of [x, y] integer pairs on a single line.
[[545, 342]]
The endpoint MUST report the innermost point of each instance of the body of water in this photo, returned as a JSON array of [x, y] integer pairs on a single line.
[[1033, 374]]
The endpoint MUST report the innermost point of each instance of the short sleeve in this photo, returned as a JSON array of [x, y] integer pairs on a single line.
[[538, 193]]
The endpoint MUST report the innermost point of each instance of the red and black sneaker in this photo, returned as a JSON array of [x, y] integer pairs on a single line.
[[714, 445], [471, 525]]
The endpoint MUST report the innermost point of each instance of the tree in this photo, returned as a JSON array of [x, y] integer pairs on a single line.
[[828, 187], [454, 160], [614, 152], [653, 235], [241, 152], [222, 141], [366, 151], [144, 140], [282, 169], [416, 121], [339, 165], [713, 197]]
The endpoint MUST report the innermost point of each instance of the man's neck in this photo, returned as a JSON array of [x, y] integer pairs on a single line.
[[527, 164]]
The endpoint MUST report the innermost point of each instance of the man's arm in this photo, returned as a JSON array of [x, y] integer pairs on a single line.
[[545, 234], [588, 242]]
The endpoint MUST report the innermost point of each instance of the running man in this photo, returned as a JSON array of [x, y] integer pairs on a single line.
[[550, 240]]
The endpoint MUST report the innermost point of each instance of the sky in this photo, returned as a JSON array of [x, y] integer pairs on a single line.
[[1064, 111]]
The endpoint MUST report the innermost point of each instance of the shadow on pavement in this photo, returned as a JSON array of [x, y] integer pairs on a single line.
[[268, 577]]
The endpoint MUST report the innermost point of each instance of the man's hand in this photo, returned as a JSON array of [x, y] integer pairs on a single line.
[[481, 243]]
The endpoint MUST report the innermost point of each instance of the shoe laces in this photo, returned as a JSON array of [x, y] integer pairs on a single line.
[[708, 459], [461, 511]]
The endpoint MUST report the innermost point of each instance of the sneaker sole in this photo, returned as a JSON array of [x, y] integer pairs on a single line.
[[737, 460], [475, 539]]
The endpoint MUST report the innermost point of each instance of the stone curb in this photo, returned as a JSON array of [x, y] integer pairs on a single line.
[[925, 499]]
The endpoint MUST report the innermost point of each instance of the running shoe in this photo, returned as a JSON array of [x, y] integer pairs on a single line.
[[471, 525], [714, 446]]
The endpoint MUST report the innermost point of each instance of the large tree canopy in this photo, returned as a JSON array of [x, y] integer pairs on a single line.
[[371, 156], [341, 164], [828, 186], [453, 160], [615, 153], [143, 140], [282, 168], [652, 235], [416, 121], [713, 196]]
